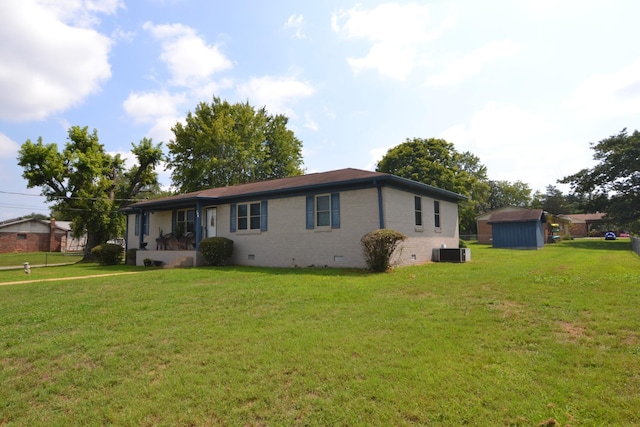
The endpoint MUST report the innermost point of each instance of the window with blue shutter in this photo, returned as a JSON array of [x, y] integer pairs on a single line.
[[263, 215], [137, 224], [323, 211], [232, 225], [310, 212], [335, 210], [249, 216]]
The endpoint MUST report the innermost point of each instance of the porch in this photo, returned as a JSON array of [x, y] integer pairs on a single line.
[[171, 258]]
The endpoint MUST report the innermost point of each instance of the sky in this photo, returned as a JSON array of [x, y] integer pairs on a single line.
[[525, 85]]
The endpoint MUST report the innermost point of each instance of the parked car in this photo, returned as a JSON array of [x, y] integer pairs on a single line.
[[609, 235]]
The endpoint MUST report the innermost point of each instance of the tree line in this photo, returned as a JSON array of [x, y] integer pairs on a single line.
[[222, 144]]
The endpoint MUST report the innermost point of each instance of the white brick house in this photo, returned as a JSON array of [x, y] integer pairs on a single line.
[[309, 220]]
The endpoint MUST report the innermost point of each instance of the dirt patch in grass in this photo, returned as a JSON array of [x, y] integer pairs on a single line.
[[572, 332]]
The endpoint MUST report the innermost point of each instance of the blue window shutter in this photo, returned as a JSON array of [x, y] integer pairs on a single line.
[[232, 227], [146, 223], [335, 210], [263, 215], [310, 206], [137, 231]]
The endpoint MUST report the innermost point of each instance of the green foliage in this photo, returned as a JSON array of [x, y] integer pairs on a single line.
[[86, 184], [225, 144], [216, 250], [378, 247], [505, 193], [436, 162], [107, 253], [613, 185]]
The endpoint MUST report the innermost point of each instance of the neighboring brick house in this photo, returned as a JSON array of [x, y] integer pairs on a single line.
[[32, 235], [582, 224], [315, 219]]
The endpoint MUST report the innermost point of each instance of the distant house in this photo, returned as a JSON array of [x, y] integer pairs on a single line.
[[583, 224], [309, 220], [520, 229], [36, 235], [484, 228]]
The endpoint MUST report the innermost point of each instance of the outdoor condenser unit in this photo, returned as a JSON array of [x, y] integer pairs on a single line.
[[451, 254]]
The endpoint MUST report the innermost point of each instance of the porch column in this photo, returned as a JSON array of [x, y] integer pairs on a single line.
[[198, 223]]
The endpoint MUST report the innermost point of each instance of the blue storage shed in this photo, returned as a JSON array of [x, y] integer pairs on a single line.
[[518, 229]]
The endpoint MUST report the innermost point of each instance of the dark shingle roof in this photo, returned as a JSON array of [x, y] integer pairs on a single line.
[[341, 178], [516, 216]]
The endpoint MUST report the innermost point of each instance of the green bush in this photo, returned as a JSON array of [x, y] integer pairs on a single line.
[[462, 244], [216, 250], [378, 246], [107, 253]]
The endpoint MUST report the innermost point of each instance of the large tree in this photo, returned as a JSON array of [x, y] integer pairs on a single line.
[[86, 185], [436, 162], [553, 201], [613, 185], [505, 193], [223, 144]]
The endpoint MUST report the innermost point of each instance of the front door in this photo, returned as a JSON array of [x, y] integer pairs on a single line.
[[212, 222]]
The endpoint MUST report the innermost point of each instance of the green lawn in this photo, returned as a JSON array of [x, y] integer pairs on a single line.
[[511, 338], [38, 258]]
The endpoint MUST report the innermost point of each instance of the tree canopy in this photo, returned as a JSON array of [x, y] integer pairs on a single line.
[[224, 144], [86, 184], [436, 162], [505, 193], [613, 185]]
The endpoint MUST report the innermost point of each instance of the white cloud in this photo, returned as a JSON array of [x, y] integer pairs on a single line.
[[48, 65], [458, 70], [516, 144], [189, 58], [8, 147], [278, 94], [396, 32], [147, 107], [160, 109], [608, 95], [82, 13], [296, 22], [310, 123]]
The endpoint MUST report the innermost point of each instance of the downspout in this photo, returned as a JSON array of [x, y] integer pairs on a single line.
[[380, 206]]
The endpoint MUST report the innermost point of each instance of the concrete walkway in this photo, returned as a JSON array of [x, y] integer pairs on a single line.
[[68, 278]]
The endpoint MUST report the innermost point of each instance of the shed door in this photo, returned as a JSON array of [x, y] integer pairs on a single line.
[[212, 222]]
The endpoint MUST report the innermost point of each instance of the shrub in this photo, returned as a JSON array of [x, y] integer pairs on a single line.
[[462, 244], [216, 250], [107, 253], [378, 246]]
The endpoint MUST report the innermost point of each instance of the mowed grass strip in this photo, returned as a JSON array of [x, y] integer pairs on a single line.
[[511, 338]]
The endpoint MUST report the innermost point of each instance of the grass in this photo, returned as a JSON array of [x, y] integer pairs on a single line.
[[511, 338], [38, 258]]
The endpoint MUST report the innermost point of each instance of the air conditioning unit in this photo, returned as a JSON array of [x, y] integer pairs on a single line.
[[451, 254]]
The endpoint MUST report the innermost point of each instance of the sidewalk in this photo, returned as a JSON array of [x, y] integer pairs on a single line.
[[57, 279]]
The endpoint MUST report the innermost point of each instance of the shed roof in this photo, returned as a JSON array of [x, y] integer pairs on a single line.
[[516, 216], [322, 181]]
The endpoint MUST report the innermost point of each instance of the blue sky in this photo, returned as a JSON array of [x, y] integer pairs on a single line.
[[524, 85]]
